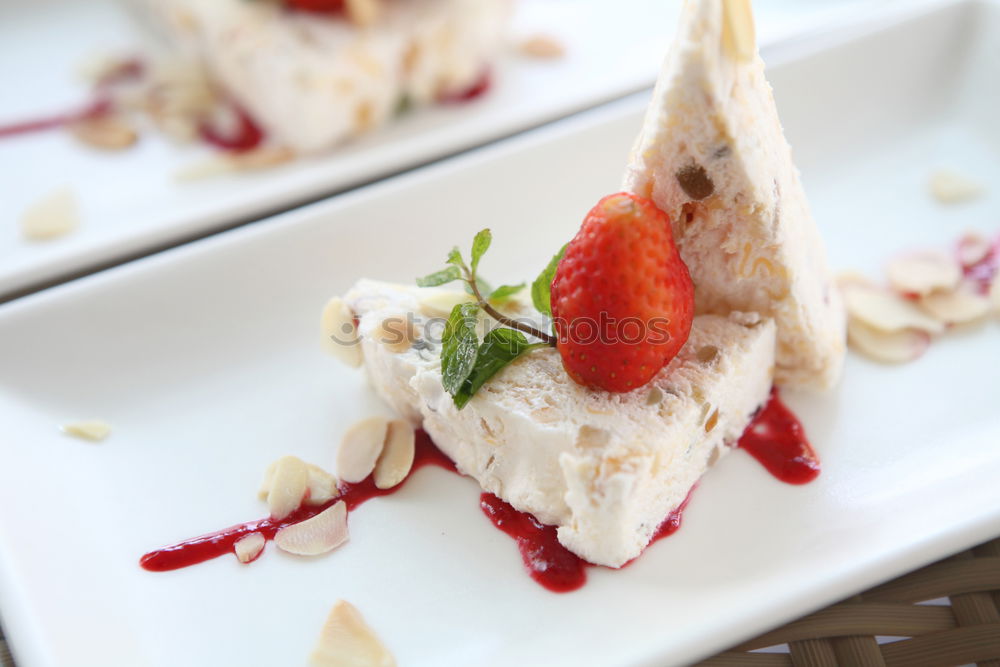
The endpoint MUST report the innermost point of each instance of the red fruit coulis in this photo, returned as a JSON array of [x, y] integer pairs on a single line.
[[775, 438], [245, 136], [479, 87], [983, 272]]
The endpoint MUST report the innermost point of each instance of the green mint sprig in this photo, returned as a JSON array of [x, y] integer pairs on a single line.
[[467, 364]]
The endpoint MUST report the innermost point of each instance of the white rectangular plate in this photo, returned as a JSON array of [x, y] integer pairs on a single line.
[[206, 361], [132, 202]]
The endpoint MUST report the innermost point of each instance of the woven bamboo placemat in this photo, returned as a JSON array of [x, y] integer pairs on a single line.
[[962, 627]]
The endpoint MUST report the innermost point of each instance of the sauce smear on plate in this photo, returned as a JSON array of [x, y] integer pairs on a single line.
[[775, 438]]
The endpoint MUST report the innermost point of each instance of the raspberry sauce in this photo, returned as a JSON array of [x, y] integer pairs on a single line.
[[775, 438], [479, 87], [93, 110], [206, 547], [245, 136]]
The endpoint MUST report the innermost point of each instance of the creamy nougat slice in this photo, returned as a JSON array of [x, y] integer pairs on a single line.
[[713, 156], [605, 468], [312, 80]]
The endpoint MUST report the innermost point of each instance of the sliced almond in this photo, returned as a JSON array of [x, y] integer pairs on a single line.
[[396, 459], [396, 332], [322, 533], [360, 449], [543, 47], [951, 187], [108, 132], [340, 333], [886, 311], [738, 33], [55, 215], [891, 347], [440, 303], [94, 430], [363, 13], [924, 272], [287, 486], [322, 486], [249, 547], [956, 306], [347, 641], [972, 248]]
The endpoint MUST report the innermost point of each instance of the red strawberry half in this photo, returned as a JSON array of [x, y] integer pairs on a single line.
[[622, 298]]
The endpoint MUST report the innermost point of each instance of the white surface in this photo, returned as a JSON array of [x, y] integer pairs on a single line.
[[131, 201], [205, 360]]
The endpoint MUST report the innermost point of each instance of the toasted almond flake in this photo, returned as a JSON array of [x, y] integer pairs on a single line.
[[738, 33], [972, 248], [287, 486], [340, 333], [951, 187], [112, 133], [396, 332], [439, 303], [360, 449], [957, 306], [249, 547], [55, 215], [363, 12], [924, 272], [893, 347], [543, 47], [347, 641], [322, 533], [322, 486], [886, 311], [396, 459], [94, 430]]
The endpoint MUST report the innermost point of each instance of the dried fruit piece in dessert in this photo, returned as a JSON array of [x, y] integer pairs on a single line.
[[712, 155], [347, 641], [605, 468]]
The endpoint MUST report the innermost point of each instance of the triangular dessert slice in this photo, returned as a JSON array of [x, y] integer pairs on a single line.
[[713, 156], [605, 468]]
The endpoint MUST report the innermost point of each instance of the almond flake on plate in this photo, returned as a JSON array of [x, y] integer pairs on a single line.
[[287, 481], [543, 47], [249, 547], [972, 248], [891, 347], [360, 449], [55, 215], [340, 333], [924, 272], [347, 641], [951, 187], [322, 533], [111, 133], [94, 430], [396, 459], [957, 306], [322, 486], [886, 311]]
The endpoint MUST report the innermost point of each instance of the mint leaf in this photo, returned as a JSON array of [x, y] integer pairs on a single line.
[[499, 348], [480, 244], [459, 346], [482, 284], [504, 293], [440, 277], [455, 259], [541, 289]]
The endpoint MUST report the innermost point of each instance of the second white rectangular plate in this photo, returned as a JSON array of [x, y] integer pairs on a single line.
[[132, 202], [206, 361]]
